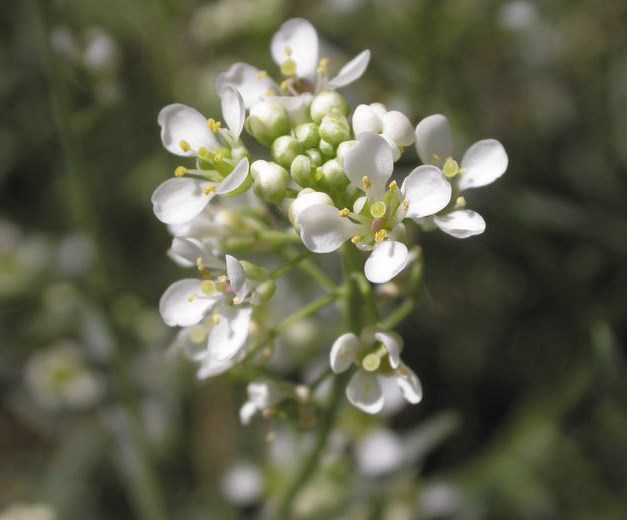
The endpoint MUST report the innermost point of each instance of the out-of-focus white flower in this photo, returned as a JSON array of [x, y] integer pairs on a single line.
[[101, 53], [375, 222], [379, 452], [262, 395], [483, 163], [59, 378], [295, 49], [28, 512], [518, 15], [242, 484], [393, 126], [377, 354], [187, 133]]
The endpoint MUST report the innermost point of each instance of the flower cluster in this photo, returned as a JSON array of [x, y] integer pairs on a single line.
[[330, 171]]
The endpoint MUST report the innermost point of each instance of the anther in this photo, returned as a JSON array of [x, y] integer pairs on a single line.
[[214, 125], [285, 85], [262, 75], [209, 189], [203, 153], [406, 205], [460, 201], [218, 157], [192, 297], [380, 235], [180, 171], [356, 239], [216, 319], [236, 301], [393, 186], [345, 212], [184, 145], [367, 183], [208, 287]]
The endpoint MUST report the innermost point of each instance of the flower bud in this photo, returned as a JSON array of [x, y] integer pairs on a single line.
[[315, 156], [343, 148], [305, 199], [269, 181], [328, 102], [253, 271], [284, 149], [331, 176], [334, 129], [263, 292], [326, 148], [266, 121], [302, 171], [307, 135]]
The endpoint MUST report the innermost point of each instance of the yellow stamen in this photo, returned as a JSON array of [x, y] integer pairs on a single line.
[[208, 287], [285, 85], [262, 74], [203, 153], [222, 279], [216, 318], [180, 171], [345, 212], [378, 209], [393, 186], [366, 182], [406, 205], [380, 235], [460, 201], [214, 125], [218, 157], [356, 239], [236, 301], [184, 145], [451, 168], [209, 189], [200, 264]]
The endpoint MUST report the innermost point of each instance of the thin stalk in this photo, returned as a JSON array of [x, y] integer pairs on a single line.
[[397, 316], [290, 264]]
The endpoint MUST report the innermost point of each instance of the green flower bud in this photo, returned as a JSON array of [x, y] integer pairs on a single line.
[[263, 292], [315, 156], [284, 149], [328, 102], [335, 129], [302, 171], [269, 181], [331, 176], [344, 147], [266, 121], [326, 148], [307, 135]]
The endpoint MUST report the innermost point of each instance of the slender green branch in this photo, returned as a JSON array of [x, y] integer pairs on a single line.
[[290, 264], [399, 314], [310, 268]]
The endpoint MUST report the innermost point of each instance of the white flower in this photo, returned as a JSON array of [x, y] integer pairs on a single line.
[[483, 163], [295, 49], [186, 132], [226, 292], [377, 354], [375, 222], [262, 395], [393, 126]]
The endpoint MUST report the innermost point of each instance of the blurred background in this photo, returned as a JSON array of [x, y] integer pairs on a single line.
[[519, 345]]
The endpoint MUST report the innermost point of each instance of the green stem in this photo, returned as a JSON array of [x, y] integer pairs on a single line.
[[290, 264], [399, 314], [309, 267]]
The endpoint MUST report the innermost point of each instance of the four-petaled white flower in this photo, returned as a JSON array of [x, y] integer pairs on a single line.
[[295, 49], [375, 223], [483, 163], [225, 295], [394, 126], [377, 355], [187, 133]]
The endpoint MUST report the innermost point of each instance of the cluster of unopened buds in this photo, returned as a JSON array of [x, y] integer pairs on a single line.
[[329, 171]]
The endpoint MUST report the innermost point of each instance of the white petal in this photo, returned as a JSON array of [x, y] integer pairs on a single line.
[[250, 82], [483, 163], [297, 40], [305, 199], [352, 71], [434, 139], [211, 367], [409, 384], [237, 277], [427, 191], [461, 223], [178, 200], [393, 343], [323, 230], [233, 109], [388, 258], [344, 352], [184, 304], [396, 151], [247, 412], [371, 157], [228, 337], [398, 127], [265, 393], [234, 179], [182, 123], [186, 251], [364, 392], [366, 119]]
